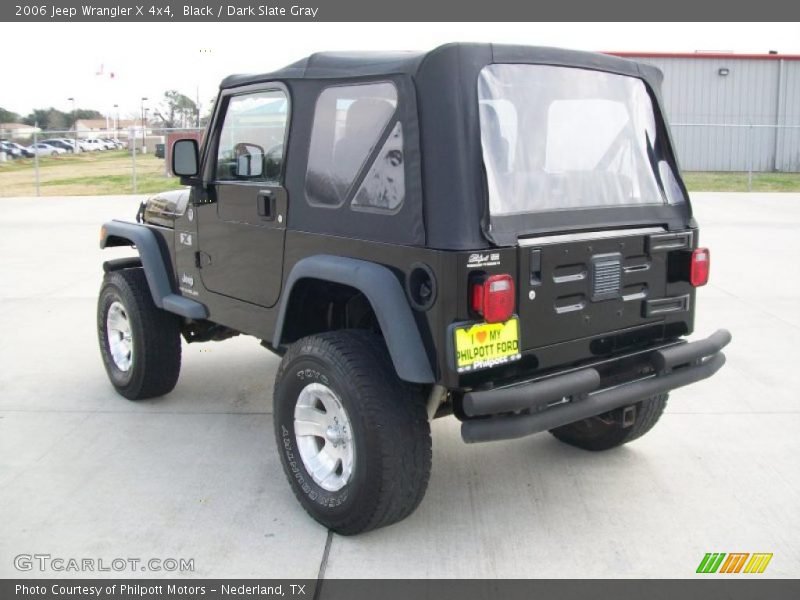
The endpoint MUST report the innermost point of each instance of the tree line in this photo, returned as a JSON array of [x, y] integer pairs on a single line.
[[49, 118], [174, 110]]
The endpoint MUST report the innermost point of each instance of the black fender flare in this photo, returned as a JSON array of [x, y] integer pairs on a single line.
[[121, 233], [388, 300]]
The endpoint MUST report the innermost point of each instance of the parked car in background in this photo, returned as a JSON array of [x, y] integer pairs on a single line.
[[93, 144], [118, 143], [24, 152], [109, 144], [71, 143], [60, 143], [43, 149], [10, 150], [68, 143]]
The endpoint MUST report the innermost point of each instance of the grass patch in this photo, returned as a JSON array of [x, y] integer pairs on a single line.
[[83, 158], [109, 185], [86, 174], [737, 182]]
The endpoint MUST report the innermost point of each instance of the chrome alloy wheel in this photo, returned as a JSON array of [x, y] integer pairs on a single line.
[[118, 334], [324, 436]]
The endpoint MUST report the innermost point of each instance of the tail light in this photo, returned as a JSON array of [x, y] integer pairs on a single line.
[[493, 298], [701, 263]]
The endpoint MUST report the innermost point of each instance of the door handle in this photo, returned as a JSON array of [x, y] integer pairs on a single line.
[[266, 205]]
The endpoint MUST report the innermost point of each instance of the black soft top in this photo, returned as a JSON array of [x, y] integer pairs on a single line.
[[327, 65], [324, 65], [438, 90]]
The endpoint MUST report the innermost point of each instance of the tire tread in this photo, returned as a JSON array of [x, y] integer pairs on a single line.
[[396, 412], [160, 360]]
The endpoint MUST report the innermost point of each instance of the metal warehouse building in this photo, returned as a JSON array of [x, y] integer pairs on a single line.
[[732, 112]]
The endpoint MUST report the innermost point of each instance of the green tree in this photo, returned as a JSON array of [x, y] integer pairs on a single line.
[[209, 112], [176, 110], [52, 118], [86, 113], [47, 118], [7, 116]]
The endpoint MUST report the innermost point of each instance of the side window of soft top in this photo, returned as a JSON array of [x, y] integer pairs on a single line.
[[349, 123]]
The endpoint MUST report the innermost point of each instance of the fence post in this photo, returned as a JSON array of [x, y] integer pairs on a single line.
[[36, 155], [166, 132], [131, 136], [750, 158]]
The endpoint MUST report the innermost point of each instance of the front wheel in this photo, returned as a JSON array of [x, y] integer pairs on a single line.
[[613, 428], [354, 439], [140, 343]]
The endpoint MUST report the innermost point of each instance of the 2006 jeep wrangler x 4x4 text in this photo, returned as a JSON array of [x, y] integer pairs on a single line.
[[495, 232]]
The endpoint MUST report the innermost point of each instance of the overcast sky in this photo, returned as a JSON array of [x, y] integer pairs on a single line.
[[59, 60]]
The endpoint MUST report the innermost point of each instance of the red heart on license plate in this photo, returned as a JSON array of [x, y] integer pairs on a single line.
[[481, 335]]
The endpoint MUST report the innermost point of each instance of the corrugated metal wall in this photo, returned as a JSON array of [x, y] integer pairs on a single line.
[[711, 115]]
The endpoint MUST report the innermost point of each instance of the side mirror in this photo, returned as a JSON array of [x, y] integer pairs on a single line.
[[249, 161], [185, 158]]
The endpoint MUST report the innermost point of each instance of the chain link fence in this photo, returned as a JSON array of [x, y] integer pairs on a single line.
[[131, 160], [737, 148], [136, 159]]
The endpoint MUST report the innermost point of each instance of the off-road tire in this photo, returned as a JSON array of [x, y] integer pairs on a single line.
[[606, 431], [389, 426], [155, 333]]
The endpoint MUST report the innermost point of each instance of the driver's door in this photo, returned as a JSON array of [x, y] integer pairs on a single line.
[[241, 232]]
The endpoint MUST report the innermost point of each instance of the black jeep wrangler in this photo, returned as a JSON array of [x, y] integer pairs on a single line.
[[495, 232]]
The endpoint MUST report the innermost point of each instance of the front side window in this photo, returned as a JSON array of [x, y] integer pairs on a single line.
[[252, 137], [558, 138], [349, 122]]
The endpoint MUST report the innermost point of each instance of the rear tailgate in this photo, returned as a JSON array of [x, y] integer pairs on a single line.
[[580, 285]]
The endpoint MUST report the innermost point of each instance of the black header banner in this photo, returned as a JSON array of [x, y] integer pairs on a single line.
[[407, 10]]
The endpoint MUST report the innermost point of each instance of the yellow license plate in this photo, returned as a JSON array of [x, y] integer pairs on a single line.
[[485, 345]]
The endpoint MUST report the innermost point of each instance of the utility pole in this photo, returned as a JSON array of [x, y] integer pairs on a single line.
[[75, 125]]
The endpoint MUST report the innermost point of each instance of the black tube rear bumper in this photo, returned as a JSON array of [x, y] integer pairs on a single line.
[[674, 367]]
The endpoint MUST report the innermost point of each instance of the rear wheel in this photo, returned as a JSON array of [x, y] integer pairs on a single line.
[[140, 343], [354, 439], [613, 428]]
